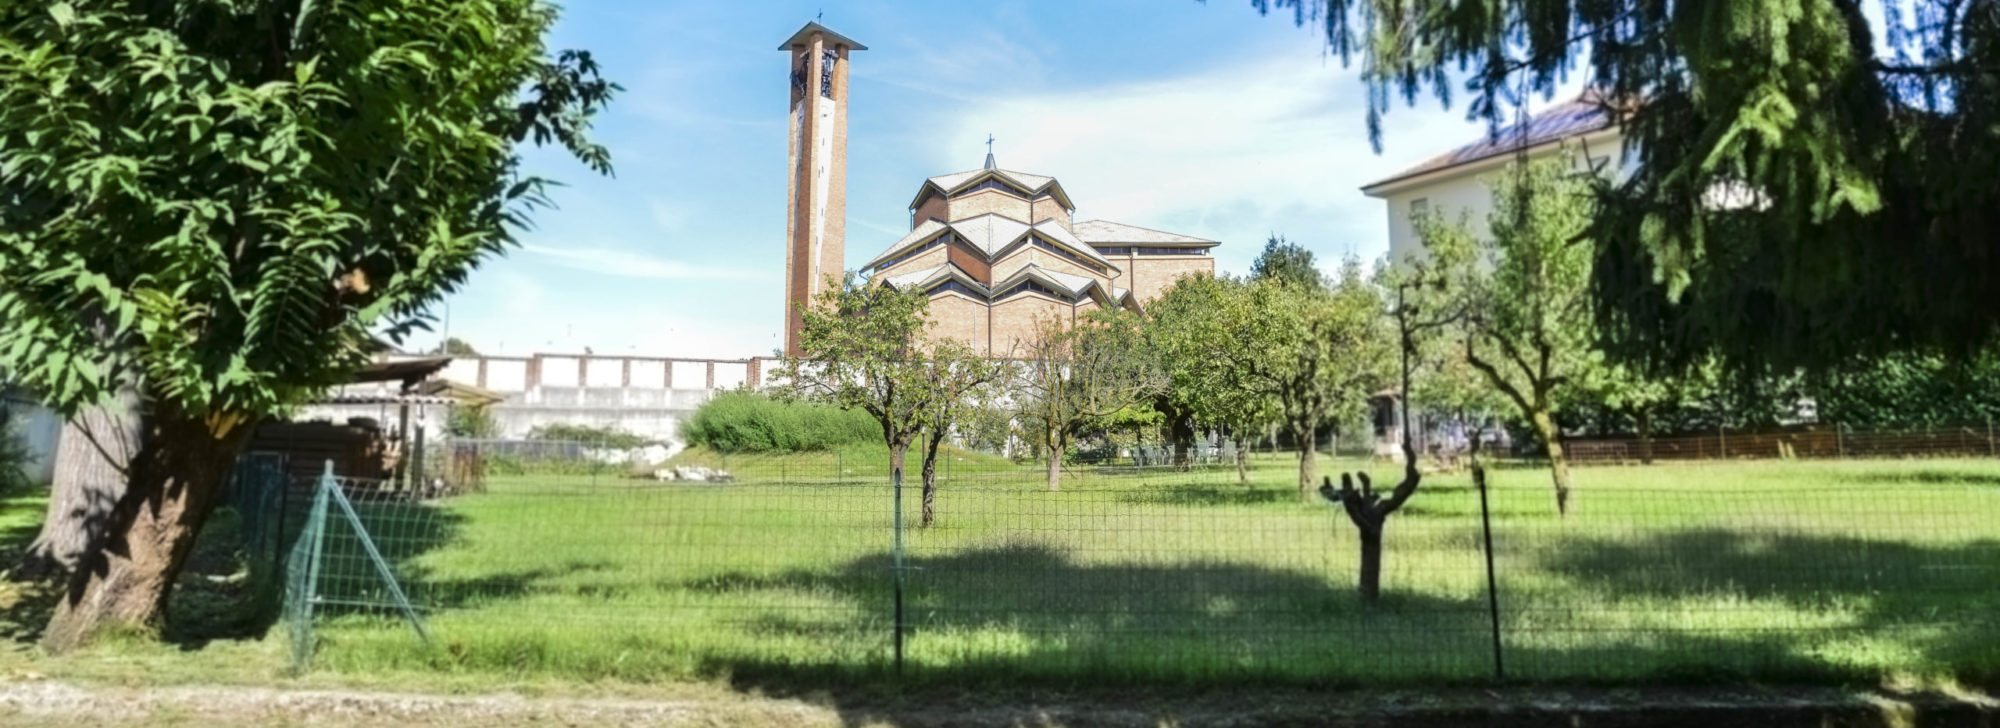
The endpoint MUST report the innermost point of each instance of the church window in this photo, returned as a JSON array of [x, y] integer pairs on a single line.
[[1031, 286], [953, 286], [1115, 251], [1420, 207], [1170, 251], [827, 57]]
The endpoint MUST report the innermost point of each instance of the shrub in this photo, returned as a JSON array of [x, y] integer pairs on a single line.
[[752, 422], [474, 422], [607, 437]]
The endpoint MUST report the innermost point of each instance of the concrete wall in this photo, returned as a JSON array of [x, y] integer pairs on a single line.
[[1150, 275], [38, 427], [643, 395]]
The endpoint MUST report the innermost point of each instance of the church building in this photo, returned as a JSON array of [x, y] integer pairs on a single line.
[[994, 249], [997, 250]]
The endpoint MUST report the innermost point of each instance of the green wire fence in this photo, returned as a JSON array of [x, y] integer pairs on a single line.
[[566, 562]]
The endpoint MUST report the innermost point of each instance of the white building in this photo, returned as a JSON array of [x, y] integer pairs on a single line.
[[1457, 181]]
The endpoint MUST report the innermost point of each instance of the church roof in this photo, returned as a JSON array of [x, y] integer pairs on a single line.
[[1034, 184], [804, 37], [1105, 232], [1575, 117], [1070, 284], [992, 235]]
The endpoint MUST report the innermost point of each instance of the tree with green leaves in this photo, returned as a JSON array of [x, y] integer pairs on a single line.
[[1805, 195], [1185, 325], [1315, 354], [218, 205], [454, 346], [1525, 291], [959, 386], [868, 347], [1068, 376], [1285, 260]]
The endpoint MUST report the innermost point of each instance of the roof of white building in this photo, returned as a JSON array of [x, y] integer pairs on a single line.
[[1578, 116]]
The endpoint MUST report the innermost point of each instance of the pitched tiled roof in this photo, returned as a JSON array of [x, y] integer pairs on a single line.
[[1105, 232], [1575, 117]]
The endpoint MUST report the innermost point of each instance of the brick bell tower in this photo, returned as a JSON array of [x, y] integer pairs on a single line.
[[816, 199]]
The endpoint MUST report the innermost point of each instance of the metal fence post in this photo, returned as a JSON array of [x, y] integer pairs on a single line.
[[1722, 436], [896, 479], [1840, 440], [1492, 579], [1992, 448]]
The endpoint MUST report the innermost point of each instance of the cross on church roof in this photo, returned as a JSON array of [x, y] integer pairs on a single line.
[[989, 152]]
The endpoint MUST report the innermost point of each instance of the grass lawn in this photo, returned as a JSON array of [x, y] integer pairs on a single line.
[[1817, 571], [1777, 570]]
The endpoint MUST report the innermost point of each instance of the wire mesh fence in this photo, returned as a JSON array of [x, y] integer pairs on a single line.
[[1828, 441], [795, 565]]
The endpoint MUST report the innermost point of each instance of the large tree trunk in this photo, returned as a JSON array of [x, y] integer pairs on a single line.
[[1055, 460], [1183, 432], [1242, 462], [1545, 427], [123, 581], [93, 453], [930, 480], [1308, 464]]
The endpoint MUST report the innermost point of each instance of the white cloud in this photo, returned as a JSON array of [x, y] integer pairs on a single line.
[[614, 262], [1233, 154]]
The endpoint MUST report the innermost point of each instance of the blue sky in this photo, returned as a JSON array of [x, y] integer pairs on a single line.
[[1202, 119]]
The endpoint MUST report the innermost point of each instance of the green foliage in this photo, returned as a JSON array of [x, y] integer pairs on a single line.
[[223, 201], [599, 436], [473, 422], [454, 346], [1287, 261], [1804, 196], [1072, 377], [862, 348], [753, 422], [1910, 389], [1524, 290], [1187, 325]]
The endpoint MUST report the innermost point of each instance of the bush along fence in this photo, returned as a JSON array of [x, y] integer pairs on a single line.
[[820, 567], [1827, 441]]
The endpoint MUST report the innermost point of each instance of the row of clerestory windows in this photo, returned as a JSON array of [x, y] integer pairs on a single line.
[[944, 239], [1023, 287], [1126, 250]]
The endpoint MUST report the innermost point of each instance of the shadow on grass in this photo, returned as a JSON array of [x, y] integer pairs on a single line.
[[1207, 495], [1027, 613], [232, 591], [1935, 601]]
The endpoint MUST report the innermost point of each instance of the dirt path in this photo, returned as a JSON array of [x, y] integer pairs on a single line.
[[44, 703]]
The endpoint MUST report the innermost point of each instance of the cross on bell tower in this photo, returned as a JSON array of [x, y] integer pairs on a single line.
[[816, 198]]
